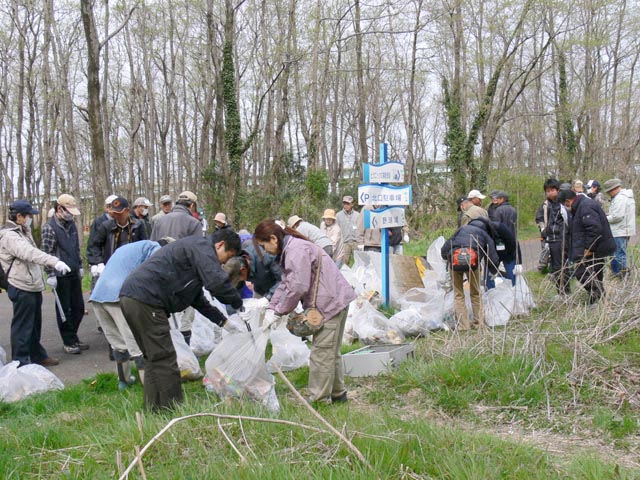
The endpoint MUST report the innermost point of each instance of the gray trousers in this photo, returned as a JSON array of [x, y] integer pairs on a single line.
[[150, 327]]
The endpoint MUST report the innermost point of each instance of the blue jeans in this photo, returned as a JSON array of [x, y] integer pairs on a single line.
[[508, 266], [619, 261]]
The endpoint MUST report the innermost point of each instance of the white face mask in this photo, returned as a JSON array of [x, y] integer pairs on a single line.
[[145, 212], [28, 222]]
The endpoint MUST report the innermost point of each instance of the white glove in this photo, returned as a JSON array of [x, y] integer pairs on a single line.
[[62, 267], [262, 302], [245, 316], [94, 270], [82, 273], [100, 268], [270, 320], [517, 270], [52, 281], [406, 238], [361, 247]]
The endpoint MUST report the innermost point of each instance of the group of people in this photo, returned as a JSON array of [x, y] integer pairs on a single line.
[[577, 236]]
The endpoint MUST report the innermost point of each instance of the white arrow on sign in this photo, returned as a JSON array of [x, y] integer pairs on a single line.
[[384, 195], [384, 217], [389, 172]]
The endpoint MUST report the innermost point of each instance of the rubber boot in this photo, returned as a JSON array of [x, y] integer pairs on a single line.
[[139, 362], [124, 374]]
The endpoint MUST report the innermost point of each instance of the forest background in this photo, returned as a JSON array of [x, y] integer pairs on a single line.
[[268, 108]]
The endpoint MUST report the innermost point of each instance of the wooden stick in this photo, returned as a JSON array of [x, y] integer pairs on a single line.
[[233, 445], [351, 446], [216, 415]]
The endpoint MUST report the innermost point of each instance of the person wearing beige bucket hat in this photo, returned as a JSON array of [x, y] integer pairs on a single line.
[[622, 220], [60, 238], [331, 228]]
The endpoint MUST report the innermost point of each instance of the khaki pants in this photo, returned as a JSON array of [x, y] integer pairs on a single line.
[[326, 376], [115, 327], [476, 298], [349, 248]]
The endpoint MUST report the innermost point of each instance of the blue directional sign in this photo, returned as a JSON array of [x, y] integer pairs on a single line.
[[384, 194], [390, 172], [384, 217]]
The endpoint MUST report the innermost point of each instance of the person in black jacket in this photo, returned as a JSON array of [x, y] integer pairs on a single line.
[[168, 282], [591, 241], [552, 219], [265, 273], [508, 250], [474, 236]]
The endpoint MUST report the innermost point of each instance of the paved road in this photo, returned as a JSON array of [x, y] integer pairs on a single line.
[[72, 368]]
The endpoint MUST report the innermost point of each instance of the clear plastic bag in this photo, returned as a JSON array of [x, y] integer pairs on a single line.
[[371, 326], [18, 383], [498, 304], [435, 260], [187, 361], [289, 351], [237, 369], [429, 303], [524, 298], [204, 336]]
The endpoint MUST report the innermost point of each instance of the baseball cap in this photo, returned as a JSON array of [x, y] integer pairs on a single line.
[[23, 207], [293, 220], [476, 194], [165, 199], [119, 204], [142, 201], [494, 194], [220, 217], [109, 199], [347, 199], [67, 201], [187, 195]]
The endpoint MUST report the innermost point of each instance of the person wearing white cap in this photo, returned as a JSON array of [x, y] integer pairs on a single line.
[[166, 204], [476, 197], [60, 239], [141, 212], [332, 230], [347, 220]]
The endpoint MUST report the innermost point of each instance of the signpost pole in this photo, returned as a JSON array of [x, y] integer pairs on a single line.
[[384, 244]]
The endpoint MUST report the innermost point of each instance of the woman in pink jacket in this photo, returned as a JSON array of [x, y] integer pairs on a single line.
[[298, 258]]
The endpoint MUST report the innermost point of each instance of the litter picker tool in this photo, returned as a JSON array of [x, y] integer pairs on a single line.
[[62, 315]]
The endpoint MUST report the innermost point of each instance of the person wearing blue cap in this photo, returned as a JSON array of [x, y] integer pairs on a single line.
[[21, 261]]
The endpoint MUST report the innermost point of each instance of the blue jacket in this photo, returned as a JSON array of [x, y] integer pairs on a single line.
[[124, 261]]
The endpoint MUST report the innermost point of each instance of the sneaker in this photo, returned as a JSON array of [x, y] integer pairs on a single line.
[[48, 362], [340, 398], [82, 345], [72, 349]]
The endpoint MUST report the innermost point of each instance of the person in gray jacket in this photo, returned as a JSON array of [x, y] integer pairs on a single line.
[[622, 220], [21, 261], [180, 222], [312, 232]]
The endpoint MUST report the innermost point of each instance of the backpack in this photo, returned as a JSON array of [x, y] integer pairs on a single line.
[[464, 259]]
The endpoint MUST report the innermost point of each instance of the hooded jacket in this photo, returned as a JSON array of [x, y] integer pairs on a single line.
[[622, 214], [477, 234], [590, 229], [299, 261], [21, 259], [553, 221], [173, 278]]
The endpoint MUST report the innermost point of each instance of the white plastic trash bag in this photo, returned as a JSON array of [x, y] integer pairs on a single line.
[[289, 352], [498, 304], [237, 369], [18, 383], [204, 336], [430, 303], [524, 298], [187, 361], [348, 274], [3, 356], [371, 326], [411, 322], [435, 260]]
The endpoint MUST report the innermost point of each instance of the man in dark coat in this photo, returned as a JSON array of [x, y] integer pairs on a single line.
[[170, 281], [474, 236], [552, 219], [591, 241]]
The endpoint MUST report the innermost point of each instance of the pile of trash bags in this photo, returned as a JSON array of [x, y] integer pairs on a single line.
[[420, 310], [17, 382]]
